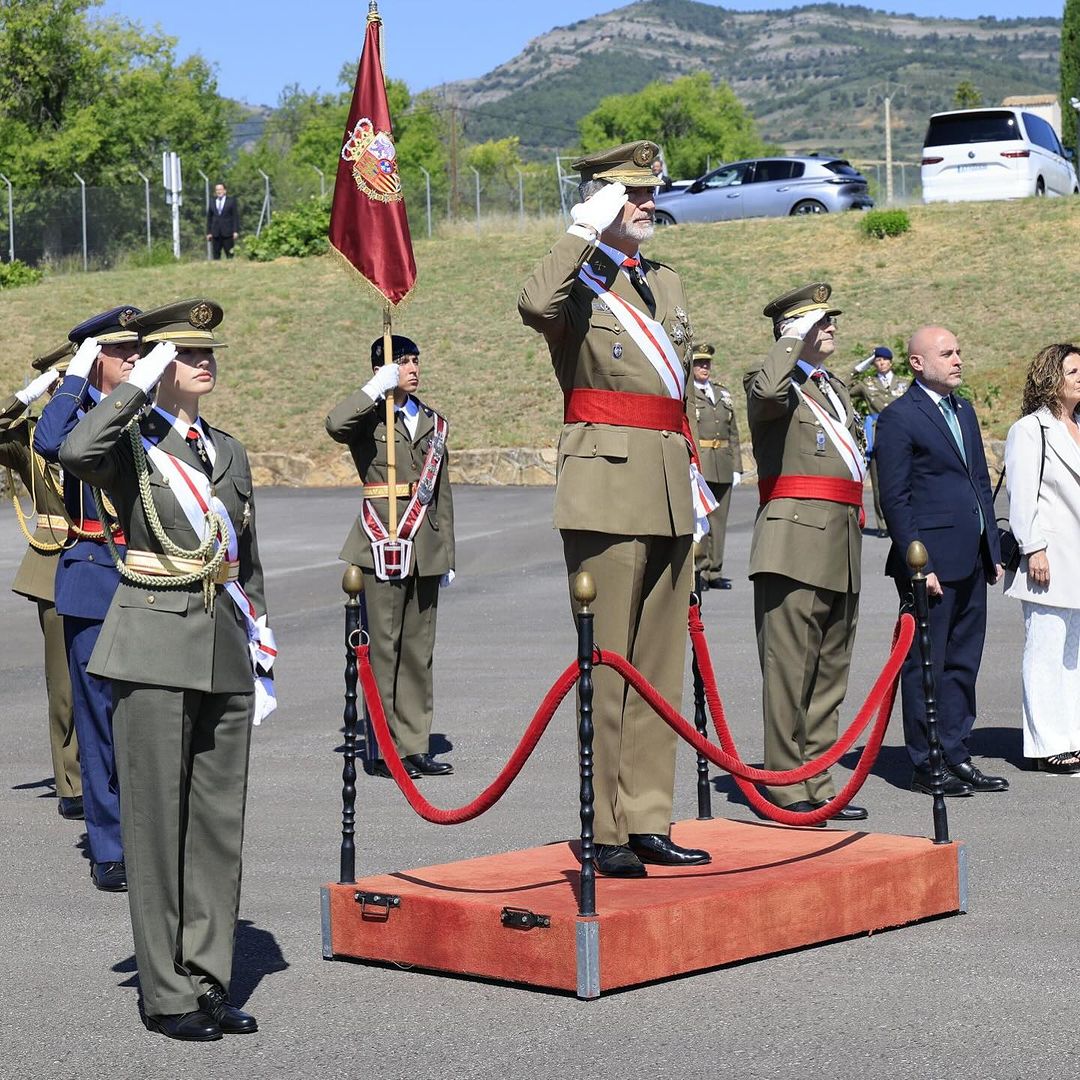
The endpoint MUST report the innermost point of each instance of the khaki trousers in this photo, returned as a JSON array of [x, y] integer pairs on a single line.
[[401, 627], [642, 594], [805, 636], [62, 741], [709, 559], [182, 760]]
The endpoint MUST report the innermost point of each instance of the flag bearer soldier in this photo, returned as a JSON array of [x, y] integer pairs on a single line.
[[46, 529], [189, 653], [807, 543], [721, 463], [401, 600], [86, 579], [627, 500]]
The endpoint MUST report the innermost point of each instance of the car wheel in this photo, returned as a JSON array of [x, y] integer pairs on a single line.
[[809, 206], [663, 219], [1040, 186]]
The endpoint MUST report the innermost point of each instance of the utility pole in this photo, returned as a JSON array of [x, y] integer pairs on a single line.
[[888, 152], [453, 164]]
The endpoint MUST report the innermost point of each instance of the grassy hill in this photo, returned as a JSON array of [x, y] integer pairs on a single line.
[[299, 331], [812, 76]]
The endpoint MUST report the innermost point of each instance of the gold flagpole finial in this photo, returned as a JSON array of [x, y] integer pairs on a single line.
[[373, 11]]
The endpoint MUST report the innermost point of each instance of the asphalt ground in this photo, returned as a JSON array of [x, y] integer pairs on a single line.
[[986, 995]]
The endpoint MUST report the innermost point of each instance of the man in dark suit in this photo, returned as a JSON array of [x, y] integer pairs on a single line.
[[222, 222], [935, 488]]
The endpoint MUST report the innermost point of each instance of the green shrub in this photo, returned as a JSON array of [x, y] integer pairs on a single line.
[[882, 223], [160, 253], [15, 273], [300, 231]]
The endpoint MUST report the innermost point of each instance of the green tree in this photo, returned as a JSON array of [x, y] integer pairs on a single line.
[[690, 118], [1070, 70], [966, 96]]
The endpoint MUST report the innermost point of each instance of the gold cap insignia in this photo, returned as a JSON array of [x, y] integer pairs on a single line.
[[201, 316], [644, 154], [821, 293]]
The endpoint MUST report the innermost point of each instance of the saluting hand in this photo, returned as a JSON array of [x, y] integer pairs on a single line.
[[36, 387], [599, 210], [148, 369], [383, 381], [801, 325], [84, 358]]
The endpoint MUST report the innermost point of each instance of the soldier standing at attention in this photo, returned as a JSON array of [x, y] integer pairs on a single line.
[[878, 390], [619, 337], [188, 651], [721, 463], [86, 579], [401, 602], [807, 545], [46, 529]]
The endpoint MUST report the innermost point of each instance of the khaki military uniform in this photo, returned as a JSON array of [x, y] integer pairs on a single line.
[[183, 701], [877, 396], [401, 615], [720, 457], [623, 506], [35, 580], [805, 564]]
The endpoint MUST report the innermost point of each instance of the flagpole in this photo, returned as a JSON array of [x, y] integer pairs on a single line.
[[391, 435]]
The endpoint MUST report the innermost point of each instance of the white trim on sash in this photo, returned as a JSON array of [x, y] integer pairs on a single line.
[[839, 436]]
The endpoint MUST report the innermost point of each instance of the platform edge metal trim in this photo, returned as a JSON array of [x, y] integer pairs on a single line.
[[962, 877], [588, 958], [327, 944]]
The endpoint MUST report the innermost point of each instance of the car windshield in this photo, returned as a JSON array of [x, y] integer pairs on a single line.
[[842, 168], [972, 127]]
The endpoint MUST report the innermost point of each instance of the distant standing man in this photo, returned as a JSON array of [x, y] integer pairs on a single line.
[[721, 463], [620, 340], [222, 222], [935, 488], [880, 389], [807, 546]]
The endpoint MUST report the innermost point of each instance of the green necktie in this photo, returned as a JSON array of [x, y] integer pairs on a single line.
[[953, 421]]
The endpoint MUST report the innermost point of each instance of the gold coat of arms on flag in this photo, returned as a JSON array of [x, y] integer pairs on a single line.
[[374, 161]]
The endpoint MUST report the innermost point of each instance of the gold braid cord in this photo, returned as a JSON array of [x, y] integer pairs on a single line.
[[218, 529], [37, 463]]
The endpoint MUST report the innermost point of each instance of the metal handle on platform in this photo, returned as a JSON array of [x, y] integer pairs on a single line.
[[917, 560], [585, 594], [704, 793]]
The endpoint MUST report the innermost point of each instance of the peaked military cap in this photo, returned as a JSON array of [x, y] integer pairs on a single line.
[[399, 346], [188, 324], [58, 358], [107, 328], [812, 297], [704, 353], [629, 164]]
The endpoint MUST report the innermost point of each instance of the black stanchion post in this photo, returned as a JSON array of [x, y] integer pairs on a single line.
[[353, 584], [917, 559], [585, 594], [704, 794]]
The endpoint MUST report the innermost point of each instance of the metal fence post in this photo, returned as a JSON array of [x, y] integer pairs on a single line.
[[521, 196], [146, 186], [322, 181], [427, 188], [206, 208], [82, 188], [264, 212], [477, 175], [11, 220]]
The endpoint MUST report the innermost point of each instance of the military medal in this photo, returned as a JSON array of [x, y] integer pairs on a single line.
[[820, 442], [616, 350], [678, 334]]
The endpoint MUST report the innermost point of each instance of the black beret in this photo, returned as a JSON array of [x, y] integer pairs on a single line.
[[400, 346]]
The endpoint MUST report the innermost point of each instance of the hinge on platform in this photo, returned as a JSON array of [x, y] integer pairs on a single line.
[[523, 919], [375, 905]]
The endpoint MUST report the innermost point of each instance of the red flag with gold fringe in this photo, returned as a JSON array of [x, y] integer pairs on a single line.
[[368, 224]]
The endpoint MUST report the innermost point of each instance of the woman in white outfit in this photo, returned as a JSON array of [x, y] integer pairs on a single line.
[[1042, 472]]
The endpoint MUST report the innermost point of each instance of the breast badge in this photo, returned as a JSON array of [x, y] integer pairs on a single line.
[[616, 351]]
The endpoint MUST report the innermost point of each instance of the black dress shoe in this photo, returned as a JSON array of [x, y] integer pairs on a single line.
[[189, 1027], [228, 1017], [849, 813], [380, 768], [971, 774], [805, 807], [662, 850], [951, 786], [109, 876], [617, 860], [721, 583], [426, 765], [70, 807]]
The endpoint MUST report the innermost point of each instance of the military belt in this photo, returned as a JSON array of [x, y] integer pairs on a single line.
[[52, 521], [714, 444], [154, 565], [382, 491]]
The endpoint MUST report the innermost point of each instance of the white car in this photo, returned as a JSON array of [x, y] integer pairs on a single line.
[[1000, 153]]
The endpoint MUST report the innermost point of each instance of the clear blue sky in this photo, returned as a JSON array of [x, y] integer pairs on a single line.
[[259, 46]]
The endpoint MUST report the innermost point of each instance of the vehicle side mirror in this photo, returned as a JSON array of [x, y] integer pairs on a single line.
[[1070, 154], [696, 186]]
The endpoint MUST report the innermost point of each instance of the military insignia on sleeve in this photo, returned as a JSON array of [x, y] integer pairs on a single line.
[[616, 350], [201, 316], [374, 162]]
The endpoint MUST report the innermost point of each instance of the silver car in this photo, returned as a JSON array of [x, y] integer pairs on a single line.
[[766, 187]]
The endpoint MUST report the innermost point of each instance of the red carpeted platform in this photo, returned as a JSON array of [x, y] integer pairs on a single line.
[[770, 888]]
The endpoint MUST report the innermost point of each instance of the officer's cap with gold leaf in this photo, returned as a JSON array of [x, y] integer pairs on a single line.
[[629, 164], [188, 324], [704, 353], [58, 358], [812, 297], [108, 328]]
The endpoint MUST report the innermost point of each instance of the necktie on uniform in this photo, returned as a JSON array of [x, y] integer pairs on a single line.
[[198, 448], [637, 279]]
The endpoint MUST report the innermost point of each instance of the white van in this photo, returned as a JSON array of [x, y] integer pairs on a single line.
[[999, 153]]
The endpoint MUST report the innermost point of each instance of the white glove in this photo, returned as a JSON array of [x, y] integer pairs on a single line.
[[447, 579], [862, 365], [84, 358], [591, 217], [148, 369], [382, 382], [736, 479], [801, 325], [37, 386]]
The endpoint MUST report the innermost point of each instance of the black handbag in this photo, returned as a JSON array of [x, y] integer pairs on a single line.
[[1010, 546]]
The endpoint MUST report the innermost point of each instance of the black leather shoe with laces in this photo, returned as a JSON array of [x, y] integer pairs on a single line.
[[662, 850], [187, 1027], [228, 1017], [426, 765], [971, 774], [617, 860]]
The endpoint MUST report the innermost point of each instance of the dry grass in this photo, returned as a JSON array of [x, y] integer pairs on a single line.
[[999, 274]]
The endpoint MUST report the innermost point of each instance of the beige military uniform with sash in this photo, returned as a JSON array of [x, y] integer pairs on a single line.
[[721, 457], [805, 564], [35, 580], [401, 614], [877, 396]]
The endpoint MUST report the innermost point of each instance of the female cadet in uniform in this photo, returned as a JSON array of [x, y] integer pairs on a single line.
[[180, 643]]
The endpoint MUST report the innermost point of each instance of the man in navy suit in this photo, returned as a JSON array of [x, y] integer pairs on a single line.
[[935, 488], [86, 579], [222, 222]]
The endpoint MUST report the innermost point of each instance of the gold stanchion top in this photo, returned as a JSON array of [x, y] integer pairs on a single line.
[[584, 589], [916, 556], [352, 581]]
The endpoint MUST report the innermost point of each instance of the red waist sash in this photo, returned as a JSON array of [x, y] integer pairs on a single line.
[[96, 531], [827, 488], [623, 409]]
